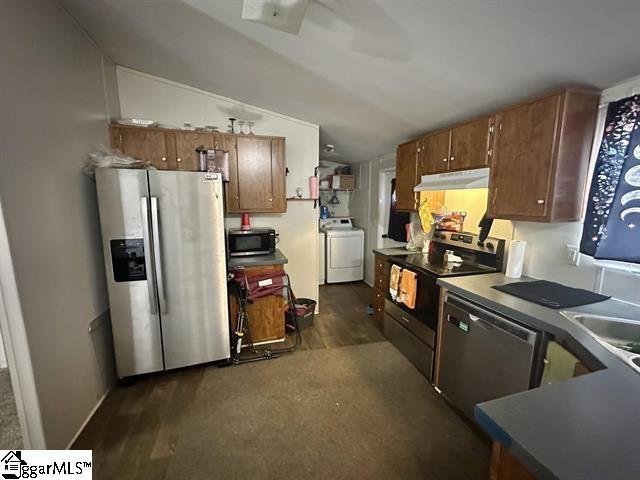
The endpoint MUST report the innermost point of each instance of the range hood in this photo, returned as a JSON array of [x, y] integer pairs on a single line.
[[478, 178]]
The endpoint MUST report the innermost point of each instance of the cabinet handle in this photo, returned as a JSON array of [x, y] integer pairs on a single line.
[[490, 128], [120, 138], [540, 202], [490, 152], [271, 199], [179, 159], [444, 159], [452, 159], [164, 159], [500, 126]]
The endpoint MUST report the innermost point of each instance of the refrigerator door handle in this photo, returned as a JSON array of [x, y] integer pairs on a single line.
[[157, 256], [144, 207]]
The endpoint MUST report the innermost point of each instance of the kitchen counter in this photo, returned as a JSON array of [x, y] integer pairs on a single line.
[[258, 260], [587, 427]]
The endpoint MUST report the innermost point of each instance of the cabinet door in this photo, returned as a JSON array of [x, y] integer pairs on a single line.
[[278, 175], [523, 160], [142, 143], [434, 154], [232, 196], [469, 145], [406, 175], [186, 144], [255, 175]]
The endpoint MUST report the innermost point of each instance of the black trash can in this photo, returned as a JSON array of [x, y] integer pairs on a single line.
[[304, 311]]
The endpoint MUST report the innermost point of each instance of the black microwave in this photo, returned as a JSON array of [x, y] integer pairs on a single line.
[[256, 241]]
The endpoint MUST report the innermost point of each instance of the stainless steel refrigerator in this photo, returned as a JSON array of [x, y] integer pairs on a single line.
[[164, 251]]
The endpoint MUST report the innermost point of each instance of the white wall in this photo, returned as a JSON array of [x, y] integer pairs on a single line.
[[367, 203], [54, 112], [143, 95], [3, 356]]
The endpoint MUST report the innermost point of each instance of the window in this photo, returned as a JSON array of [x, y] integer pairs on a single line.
[[611, 229]]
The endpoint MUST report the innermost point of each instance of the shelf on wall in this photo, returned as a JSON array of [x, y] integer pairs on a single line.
[[298, 199]]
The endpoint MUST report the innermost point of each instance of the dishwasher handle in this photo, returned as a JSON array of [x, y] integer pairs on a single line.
[[479, 315]]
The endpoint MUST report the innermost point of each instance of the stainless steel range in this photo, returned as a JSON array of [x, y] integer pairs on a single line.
[[413, 330]]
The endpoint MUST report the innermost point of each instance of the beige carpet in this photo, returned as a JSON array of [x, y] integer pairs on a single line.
[[361, 412], [10, 435]]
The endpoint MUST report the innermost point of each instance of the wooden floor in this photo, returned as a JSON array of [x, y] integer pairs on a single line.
[[343, 318], [135, 431]]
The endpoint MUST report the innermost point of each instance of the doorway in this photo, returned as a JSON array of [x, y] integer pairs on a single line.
[[385, 178]]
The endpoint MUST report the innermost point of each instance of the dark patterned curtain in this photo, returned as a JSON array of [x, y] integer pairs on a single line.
[[612, 222]]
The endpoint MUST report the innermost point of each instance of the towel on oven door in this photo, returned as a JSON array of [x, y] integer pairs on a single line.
[[394, 280], [408, 288]]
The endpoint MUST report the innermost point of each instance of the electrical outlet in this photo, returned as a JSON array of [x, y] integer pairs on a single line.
[[573, 255]]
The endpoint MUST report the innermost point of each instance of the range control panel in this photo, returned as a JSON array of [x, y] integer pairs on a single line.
[[469, 240]]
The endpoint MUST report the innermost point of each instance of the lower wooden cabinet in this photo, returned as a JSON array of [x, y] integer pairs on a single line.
[[505, 466], [378, 306], [381, 276], [380, 288], [265, 315]]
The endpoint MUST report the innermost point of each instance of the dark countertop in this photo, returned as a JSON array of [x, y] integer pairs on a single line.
[[393, 252], [258, 260], [587, 427]]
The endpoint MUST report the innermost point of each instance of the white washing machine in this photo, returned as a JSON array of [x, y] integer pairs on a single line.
[[344, 250]]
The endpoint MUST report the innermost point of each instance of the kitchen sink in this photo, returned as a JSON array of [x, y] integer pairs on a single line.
[[620, 335]]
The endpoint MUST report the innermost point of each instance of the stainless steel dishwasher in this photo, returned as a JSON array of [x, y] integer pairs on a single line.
[[484, 355]]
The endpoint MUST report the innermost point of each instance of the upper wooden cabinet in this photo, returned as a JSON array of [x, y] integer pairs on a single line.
[[470, 145], [259, 169], [152, 145], [407, 176], [541, 156], [538, 152], [188, 142], [256, 163], [434, 153], [460, 148]]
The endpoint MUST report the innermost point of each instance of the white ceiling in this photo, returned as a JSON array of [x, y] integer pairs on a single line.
[[374, 73]]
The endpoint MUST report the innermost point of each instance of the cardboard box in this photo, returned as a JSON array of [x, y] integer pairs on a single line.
[[343, 182]]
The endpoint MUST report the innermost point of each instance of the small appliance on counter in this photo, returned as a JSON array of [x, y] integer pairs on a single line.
[[255, 241]]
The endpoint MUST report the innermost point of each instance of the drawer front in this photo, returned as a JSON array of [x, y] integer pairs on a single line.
[[381, 279], [378, 305], [410, 346], [411, 323]]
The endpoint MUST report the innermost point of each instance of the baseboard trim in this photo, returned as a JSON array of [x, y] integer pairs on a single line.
[[87, 420]]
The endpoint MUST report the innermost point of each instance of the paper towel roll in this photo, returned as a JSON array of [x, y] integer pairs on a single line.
[[516, 258]]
